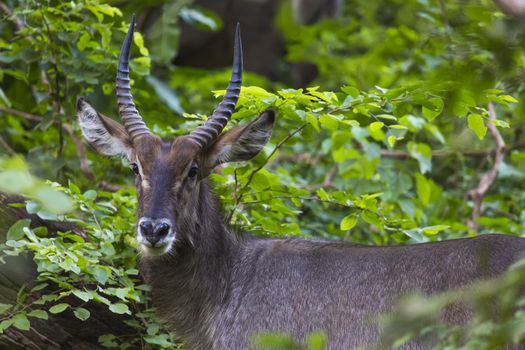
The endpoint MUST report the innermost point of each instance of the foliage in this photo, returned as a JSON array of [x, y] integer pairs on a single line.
[[381, 149], [97, 266]]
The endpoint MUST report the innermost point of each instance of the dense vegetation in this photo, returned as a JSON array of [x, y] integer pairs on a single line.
[[398, 140]]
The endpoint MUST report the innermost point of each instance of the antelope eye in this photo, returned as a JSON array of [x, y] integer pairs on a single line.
[[134, 168], [192, 172]]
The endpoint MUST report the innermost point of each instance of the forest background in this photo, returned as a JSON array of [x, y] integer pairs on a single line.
[[399, 122]]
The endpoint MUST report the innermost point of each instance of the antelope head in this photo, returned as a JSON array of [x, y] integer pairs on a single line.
[[170, 174]]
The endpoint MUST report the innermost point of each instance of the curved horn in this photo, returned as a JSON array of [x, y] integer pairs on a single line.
[[133, 122], [213, 126]]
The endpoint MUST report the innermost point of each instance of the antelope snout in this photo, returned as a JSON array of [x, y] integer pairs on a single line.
[[155, 234]]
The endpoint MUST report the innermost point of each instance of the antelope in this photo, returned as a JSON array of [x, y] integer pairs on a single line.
[[216, 289]]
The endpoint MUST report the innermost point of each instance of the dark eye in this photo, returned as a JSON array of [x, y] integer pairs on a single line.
[[134, 168], [192, 172]]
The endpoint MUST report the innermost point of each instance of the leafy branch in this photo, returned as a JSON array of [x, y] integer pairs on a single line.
[[241, 192], [487, 179]]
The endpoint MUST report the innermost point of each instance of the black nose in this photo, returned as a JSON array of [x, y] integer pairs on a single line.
[[153, 231]]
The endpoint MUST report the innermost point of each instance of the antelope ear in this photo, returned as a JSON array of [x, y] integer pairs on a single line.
[[104, 134], [242, 142]]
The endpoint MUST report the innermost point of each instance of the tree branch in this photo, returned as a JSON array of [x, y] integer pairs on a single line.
[[514, 8], [399, 154], [487, 179], [327, 181], [79, 145], [9, 14], [6, 146]]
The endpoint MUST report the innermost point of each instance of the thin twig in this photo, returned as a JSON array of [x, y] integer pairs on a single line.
[[304, 198], [56, 91], [9, 14], [488, 178], [81, 151], [315, 198], [6, 146], [22, 114], [327, 182], [108, 187], [444, 153], [79, 145]]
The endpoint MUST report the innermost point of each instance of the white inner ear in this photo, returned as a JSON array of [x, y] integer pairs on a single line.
[[99, 137], [250, 142], [224, 156]]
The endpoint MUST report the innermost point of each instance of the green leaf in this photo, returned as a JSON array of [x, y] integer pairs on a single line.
[[322, 194], [329, 121], [100, 274], [90, 195], [84, 41], [58, 308], [422, 153], [152, 329], [350, 91], [397, 126], [121, 293], [161, 340], [432, 230], [164, 34], [417, 235], [432, 113], [21, 322], [249, 91], [386, 116], [317, 341], [375, 126], [166, 94], [16, 181], [260, 181], [509, 98], [42, 314], [138, 39], [4, 99], [85, 296], [16, 231], [38, 287], [5, 324], [434, 130], [500, 123], [4, 308], [54, 201], [423, 189], [108, 340], [348, 222], [376, 132], [120, 308], [391, 140], [476, 124], [141, 65], [81, 313], [310, 118], [371, 218], [201, 18]]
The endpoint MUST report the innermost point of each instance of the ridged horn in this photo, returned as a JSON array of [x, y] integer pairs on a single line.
[[216, 122], [131, 118]]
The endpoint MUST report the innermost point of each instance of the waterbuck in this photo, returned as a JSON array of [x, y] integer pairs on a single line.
[[216, 289]]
